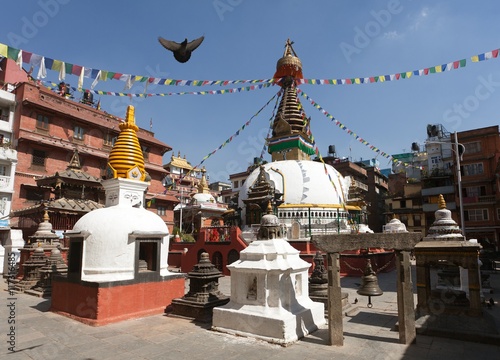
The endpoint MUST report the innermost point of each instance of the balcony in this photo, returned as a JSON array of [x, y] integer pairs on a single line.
[[7, 153], [358, 185], [486, 199], [433, 207], [450, 189], [4, 182]]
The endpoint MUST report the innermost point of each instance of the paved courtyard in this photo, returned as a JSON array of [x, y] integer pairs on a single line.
[[368, 334]]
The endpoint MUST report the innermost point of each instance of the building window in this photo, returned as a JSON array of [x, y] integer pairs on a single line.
[[110, 139], [4, 115], [38, 158], [42, 122], [475, 191], [436, 160], [472, 147], [161, 210], [78, 132], [417, 220], [3, 170], [145, 152], [402, 204], [476, 215], [498, 213], [404, 219], [235, 184], [473, 169]]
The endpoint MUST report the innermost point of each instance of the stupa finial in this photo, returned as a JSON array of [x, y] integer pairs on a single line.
[[441, 202], [269, 208], [126, 159]]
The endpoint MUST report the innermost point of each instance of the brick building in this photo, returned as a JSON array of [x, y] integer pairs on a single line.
[[480, 179], [49, 127]]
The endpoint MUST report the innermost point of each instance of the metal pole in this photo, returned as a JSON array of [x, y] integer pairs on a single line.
[[180, 215], [309, 216], [459, 182]]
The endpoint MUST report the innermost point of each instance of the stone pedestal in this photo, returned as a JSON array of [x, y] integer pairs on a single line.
[[203, 293]]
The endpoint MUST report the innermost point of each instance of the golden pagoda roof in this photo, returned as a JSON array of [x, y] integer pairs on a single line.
[[180, 162], [126, 159]]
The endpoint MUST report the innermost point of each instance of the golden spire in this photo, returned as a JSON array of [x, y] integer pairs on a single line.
[[46, 217], [441, 202], [289, 64], [203, 185], [126, 159], [269, 209]]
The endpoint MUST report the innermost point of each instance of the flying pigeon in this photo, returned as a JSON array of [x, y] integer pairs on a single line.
[[182, 52]]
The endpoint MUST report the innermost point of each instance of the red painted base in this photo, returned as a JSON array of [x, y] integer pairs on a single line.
[[99, 304]]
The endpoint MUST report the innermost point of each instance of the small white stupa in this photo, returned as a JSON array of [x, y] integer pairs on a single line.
[[117, 263], [394, 226], [269, 291]]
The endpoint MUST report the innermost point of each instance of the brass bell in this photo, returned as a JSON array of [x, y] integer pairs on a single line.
[[369, 286]]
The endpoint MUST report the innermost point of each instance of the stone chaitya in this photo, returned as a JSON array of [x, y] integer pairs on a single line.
[[54, 266], [32, 266], [318, 284], [448, 281], [203, 293], [269, 291]]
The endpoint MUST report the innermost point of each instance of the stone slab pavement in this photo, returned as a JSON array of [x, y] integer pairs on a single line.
[[368, 334]]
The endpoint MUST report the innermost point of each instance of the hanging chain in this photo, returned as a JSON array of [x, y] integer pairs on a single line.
[[351, 267], [387, 264], [378, 269]]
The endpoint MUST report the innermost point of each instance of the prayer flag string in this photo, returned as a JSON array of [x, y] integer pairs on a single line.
[[63, 68]]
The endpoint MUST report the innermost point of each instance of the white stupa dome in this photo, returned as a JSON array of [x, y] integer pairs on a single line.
[[200, 198], [109, 249], [301, 182]]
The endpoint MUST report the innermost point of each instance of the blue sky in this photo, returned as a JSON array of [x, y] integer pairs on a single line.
[[244, 39]]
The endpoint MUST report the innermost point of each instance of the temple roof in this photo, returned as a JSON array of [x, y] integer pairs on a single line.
[[179, 162], [73, 174], [60, 205]]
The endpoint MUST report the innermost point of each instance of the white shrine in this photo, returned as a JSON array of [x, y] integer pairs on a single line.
[[269, 291]]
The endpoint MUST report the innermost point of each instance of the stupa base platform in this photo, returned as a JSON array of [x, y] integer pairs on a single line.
[[481, 329], [102, 303], [274, 325], [196, 311]]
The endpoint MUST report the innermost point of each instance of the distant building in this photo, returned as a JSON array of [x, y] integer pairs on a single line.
[[480, 173]]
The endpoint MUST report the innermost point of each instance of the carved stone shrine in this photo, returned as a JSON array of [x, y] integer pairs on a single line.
[[54, 266], [318, 284], [32, 268], [203, 293], [449, 282]]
